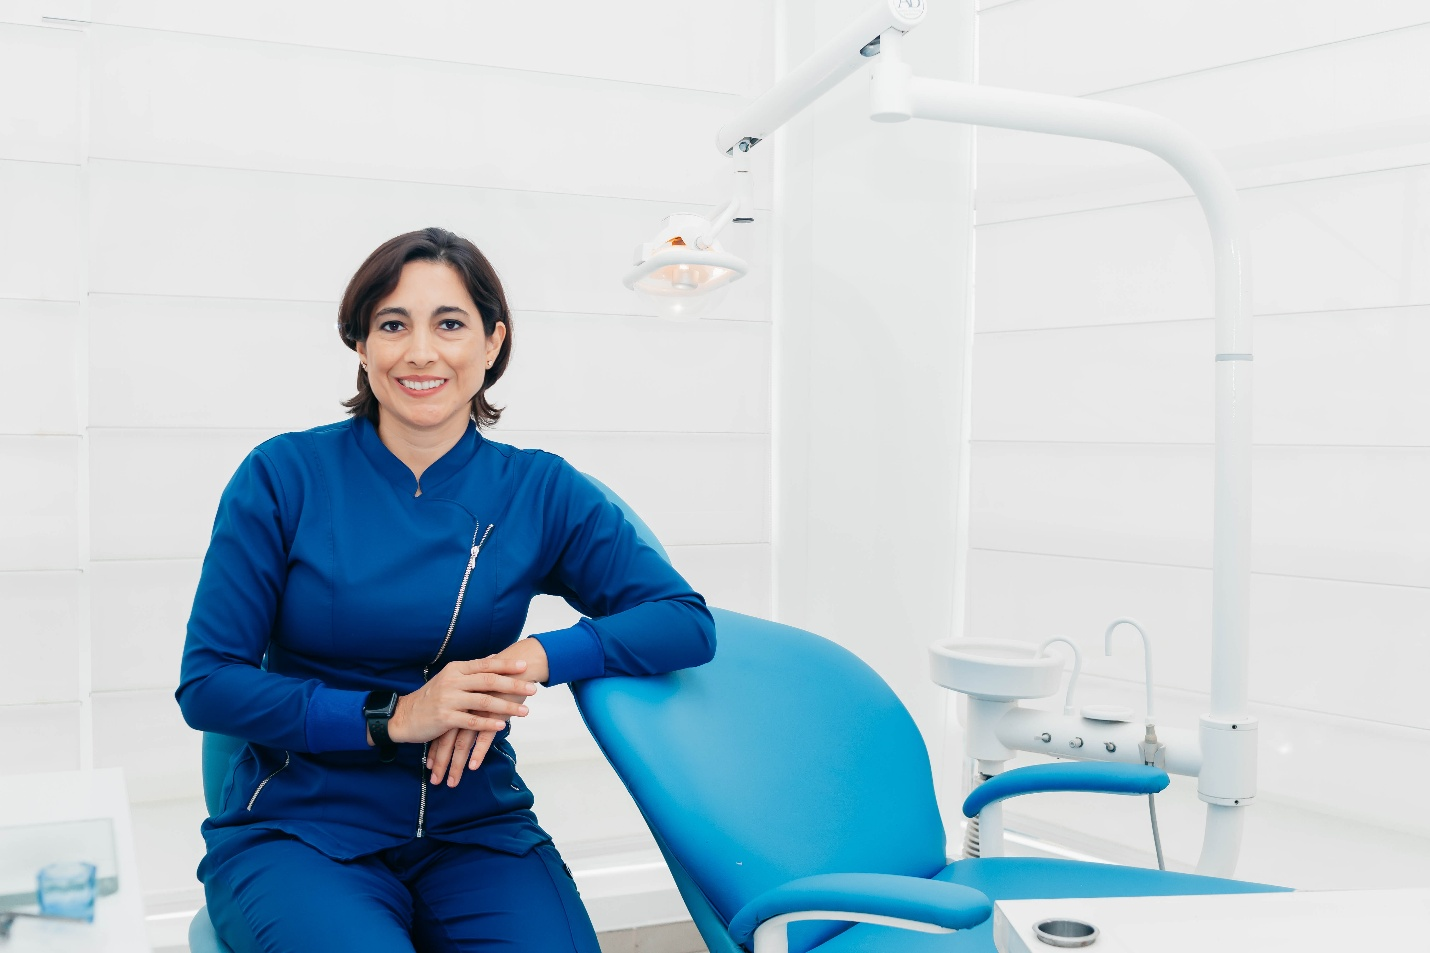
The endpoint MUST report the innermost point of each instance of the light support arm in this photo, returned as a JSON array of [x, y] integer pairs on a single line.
[[741, 207], [821, 72], [896, 95]]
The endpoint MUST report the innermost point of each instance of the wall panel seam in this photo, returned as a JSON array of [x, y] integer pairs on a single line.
[[1256, 444], [1188, 197], [63, 165], [1200, 569], [1154, 322], [438, 184], [1348, 721], [489, 434], [383, 54], [1092, 94]]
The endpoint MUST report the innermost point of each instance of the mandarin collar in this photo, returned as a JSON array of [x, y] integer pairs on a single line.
[[397, 473]]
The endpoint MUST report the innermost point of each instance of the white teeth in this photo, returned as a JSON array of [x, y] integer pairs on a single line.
[[421, 385]]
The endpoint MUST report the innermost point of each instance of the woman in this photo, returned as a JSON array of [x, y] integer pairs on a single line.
[[357, 622]]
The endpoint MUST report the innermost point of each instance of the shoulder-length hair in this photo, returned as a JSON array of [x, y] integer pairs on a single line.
[[378, 276]]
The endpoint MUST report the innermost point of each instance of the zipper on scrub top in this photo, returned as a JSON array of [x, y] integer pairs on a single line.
[[426, 670], [287, 757]]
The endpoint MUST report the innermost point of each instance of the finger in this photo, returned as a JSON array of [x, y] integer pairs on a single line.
[[494, 684], [492, 663], [479, 750], [460, 751], [439, 754], [483, 704], [477, 721]]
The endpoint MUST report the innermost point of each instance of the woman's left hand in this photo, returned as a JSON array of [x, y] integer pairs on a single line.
[[463, 748]]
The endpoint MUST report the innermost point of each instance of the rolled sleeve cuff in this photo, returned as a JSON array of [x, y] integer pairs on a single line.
[[335, 721], [573, 654]]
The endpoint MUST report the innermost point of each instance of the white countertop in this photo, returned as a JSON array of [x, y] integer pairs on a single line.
[[68, 796], [1362, 921]]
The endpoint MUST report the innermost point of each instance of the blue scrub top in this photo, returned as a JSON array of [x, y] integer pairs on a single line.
[[328, 576]]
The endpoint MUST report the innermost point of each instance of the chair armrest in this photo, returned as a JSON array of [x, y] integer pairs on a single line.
[[1067, 776], [891, 896]]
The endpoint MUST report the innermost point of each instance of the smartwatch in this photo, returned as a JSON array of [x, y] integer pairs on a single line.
[[377, 711]]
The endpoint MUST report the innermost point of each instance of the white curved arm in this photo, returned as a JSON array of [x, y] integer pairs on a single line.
[[1146, 655], [1077, 668]]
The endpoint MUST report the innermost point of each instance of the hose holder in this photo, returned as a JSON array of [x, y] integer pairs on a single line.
[[1228, 775]]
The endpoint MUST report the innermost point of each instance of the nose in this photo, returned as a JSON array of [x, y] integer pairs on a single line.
[[421, 347]]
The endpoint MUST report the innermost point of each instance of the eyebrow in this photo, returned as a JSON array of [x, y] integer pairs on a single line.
[[443, 309]]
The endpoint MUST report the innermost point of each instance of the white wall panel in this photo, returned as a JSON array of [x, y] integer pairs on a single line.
[[1336, 109], [39, 496], [138, 615], [1300, 629], [639, 41], [606, 372], [1142, 504], [37, 389], [1356, 242], [1335, 244], [173, 230], [39, 637], [1343, 513], [1321, 379], [43, 124], [41, 231], [1119, 383], [1078, 48], [730, 577], [144, 733], [1350, 377], [1323, 646], [168, 844], [215, 363], [1355, 514], [153, 493], [689, 488], [270, 106], [1112, 266], [36, 738]]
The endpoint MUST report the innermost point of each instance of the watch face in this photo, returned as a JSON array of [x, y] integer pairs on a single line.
[[380, 704]]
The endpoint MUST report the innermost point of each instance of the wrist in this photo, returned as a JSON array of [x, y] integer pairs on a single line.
[[397, 724]]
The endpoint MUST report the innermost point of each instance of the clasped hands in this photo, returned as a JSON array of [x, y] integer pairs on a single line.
[[465, 704]]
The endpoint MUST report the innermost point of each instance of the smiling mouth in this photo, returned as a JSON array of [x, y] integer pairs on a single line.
[[419, 387]]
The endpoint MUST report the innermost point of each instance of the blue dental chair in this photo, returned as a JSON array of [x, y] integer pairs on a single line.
[[787, 762]]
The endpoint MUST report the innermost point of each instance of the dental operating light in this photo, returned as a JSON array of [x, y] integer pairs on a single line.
[[684, 271], [685, 262]]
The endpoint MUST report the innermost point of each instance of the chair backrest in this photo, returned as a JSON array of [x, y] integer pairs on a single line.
[[784, 757]]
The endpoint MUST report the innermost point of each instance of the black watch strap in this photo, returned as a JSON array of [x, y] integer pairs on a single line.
[[377, 711]]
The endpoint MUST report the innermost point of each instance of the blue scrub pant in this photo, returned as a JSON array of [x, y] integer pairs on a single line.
[[279, 894]]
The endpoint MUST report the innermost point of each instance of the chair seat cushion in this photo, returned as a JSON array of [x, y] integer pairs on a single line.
[[1024, 878], [202, 938]]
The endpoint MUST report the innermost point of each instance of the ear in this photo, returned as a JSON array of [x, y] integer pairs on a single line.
[[495, 340], [361, 348]]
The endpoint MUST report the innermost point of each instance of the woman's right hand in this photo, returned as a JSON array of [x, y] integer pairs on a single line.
[[462, 694]]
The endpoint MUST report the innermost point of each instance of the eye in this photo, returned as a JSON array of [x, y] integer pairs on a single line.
[[390, 326], [450, 324]]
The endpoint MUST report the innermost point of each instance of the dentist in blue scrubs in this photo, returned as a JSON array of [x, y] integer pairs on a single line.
[[357, 624]]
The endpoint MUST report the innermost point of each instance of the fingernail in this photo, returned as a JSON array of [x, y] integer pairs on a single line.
[[451, 783], [523, 709]]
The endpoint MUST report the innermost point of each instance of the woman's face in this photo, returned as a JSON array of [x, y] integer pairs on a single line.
[[426, 351]]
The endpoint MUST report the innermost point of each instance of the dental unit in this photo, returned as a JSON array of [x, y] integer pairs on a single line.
[[682, 265]]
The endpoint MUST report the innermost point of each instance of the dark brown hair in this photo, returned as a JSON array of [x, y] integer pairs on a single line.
[[375, 280]]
